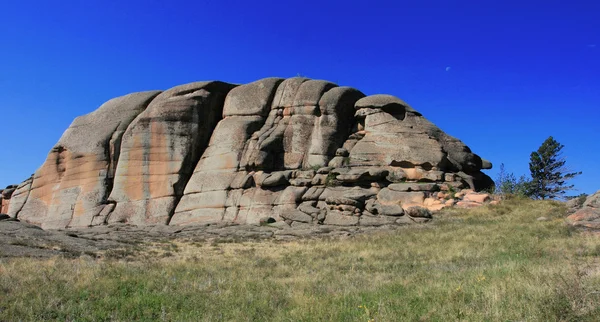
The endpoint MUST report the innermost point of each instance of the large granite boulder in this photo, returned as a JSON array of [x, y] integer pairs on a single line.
[[593, 201], [293, 150], [588, 214], [159, 151], [72, 186]]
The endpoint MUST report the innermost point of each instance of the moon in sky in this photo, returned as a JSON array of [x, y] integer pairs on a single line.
[[448, 68]]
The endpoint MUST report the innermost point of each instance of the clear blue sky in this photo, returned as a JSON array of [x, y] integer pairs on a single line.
[[500, 75]]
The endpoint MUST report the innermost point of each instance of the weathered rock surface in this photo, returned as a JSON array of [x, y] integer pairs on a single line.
[[5, 195], [118, 240], [159, 151], [300, 152], [593, 201], [588, 216], [72, 186]]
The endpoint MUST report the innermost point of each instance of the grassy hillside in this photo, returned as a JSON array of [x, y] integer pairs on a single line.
[[496, 264]]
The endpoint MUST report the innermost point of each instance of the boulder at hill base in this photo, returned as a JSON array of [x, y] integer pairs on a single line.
[[295, 150], [586, 213]]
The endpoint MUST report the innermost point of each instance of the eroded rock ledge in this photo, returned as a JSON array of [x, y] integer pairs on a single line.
[[296, 151]]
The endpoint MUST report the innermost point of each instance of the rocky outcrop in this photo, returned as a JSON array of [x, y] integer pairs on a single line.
[[18, 198], [587, 212], [72, 186], [295, 151], [159, 151], [5, 196]]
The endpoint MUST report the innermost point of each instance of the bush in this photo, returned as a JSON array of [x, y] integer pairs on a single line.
[[507, 184]]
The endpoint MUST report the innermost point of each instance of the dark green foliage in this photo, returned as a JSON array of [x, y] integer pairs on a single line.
[[581, 197], [548, 172], [331, 180]]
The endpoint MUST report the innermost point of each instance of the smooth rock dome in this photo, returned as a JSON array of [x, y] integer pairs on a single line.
[[295, 150]]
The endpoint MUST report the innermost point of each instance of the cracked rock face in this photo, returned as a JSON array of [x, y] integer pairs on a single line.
[[294, 150]]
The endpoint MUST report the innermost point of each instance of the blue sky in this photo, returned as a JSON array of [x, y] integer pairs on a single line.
[[500, 75]]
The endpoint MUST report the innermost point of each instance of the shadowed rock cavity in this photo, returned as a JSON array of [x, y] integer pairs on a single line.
[[295, 150]]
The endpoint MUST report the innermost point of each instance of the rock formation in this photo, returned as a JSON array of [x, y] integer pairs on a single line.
[[5, 195], [586, 212], [294, 150]]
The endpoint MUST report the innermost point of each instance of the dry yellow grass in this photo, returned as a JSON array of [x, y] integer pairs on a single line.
[[495, 264]]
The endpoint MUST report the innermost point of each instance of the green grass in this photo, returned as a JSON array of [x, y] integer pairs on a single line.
[[489, 264]]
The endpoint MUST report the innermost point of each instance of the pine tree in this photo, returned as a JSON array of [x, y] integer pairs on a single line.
[[548, 172]]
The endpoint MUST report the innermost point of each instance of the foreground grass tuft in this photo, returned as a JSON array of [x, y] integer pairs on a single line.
[[496, 263]]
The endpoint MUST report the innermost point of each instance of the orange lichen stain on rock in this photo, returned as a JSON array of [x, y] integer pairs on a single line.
[[4, 206], [288, 111], [477, 197], [132, 169], [412, 173], [160, 163], [585, 214], [82, 171], [68, 182], [48, 178]]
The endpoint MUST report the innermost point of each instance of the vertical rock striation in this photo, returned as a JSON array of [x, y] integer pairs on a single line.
[[160, 150], [295, 150], [72, 186]]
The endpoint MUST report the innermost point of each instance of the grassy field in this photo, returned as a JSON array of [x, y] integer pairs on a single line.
[[490, 264]]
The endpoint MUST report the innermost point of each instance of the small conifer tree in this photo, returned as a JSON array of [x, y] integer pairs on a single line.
[[548, 172]]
